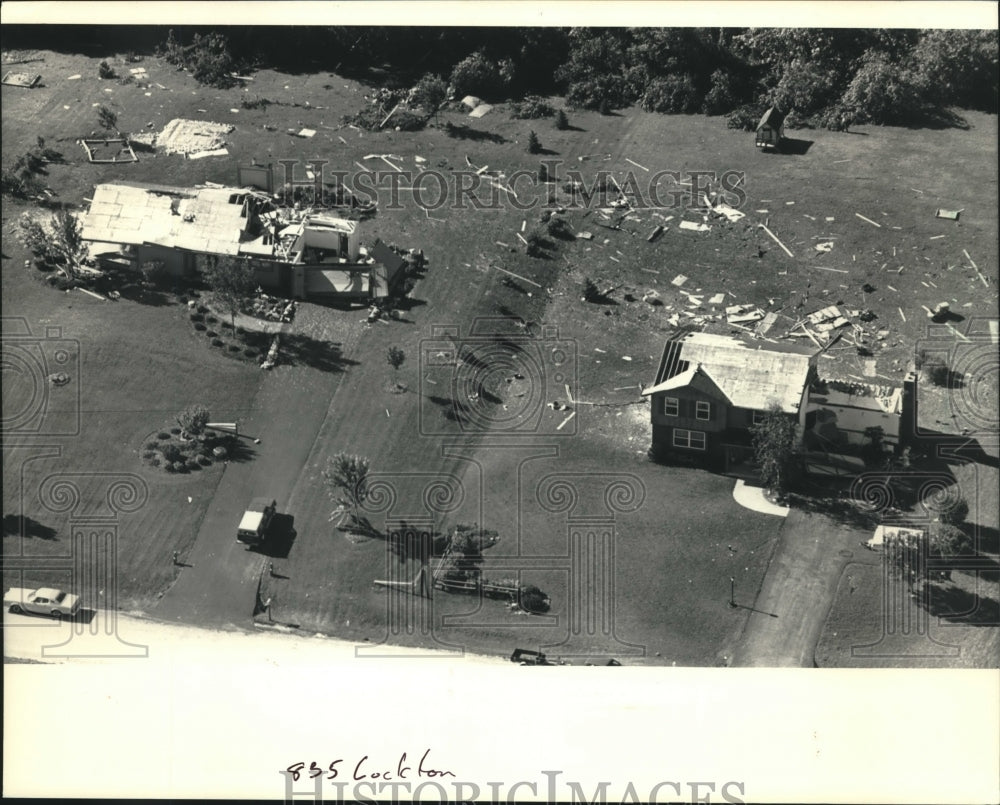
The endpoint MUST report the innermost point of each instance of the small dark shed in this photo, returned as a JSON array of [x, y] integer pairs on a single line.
[[771, 129]]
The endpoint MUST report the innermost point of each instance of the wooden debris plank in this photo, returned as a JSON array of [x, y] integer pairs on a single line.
[[518, 276], [775, 239]]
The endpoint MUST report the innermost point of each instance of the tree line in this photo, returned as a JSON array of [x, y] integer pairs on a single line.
[[881, 76]]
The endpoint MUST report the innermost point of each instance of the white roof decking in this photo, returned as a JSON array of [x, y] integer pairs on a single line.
[[199, 220]]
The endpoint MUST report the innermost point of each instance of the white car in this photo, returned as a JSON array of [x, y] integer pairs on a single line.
[[43, 601]]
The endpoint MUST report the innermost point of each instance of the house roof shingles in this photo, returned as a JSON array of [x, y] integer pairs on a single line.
[[750, 375]]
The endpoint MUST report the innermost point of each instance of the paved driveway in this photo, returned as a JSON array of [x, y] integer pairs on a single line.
[[785, 621]]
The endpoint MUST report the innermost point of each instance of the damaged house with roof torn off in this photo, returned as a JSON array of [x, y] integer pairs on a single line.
[[302, 255], [711, 390]]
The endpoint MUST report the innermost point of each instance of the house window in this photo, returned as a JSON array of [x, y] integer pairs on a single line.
[[759, 417], [671, 406], [690, 439], [702, 410]]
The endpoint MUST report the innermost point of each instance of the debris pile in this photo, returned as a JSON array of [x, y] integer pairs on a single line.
[[272, 308], [192, 137]]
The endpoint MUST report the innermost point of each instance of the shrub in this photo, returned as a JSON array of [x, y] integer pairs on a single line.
[[218, 342], [559, 228], [534, 146], [955, 514], [234, 347], [154, 460], [531, 107], [192, 464], [162, 435], [200, 327], [536, 244], [168, 466], [673, 94], [201, 308], [531, 599], [882, 92], [211, 334], [722, 95], [172, 453], [175, 431], [255, 103], [250, 352], [477, 74], [152, 445], [153, 271], [241, 331], [178, 466], [561, 121], [744, 118], [212, 320], [148, 454], [429, 93], [197, 317], [105, 70], [205, 461]]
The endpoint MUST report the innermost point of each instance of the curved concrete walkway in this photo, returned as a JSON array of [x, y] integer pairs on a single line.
[[752, 497]]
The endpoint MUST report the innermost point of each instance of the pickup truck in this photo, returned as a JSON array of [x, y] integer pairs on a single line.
[[252, 530], [43, 601]]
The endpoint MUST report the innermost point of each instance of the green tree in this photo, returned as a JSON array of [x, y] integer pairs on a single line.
[[107, 118], [429, 93], [561, 122], [774, 448], [534, 146], [468, 542], [232, 282], [193, 419], [395, 357], [58, 241], [908, 553], [346, 478]]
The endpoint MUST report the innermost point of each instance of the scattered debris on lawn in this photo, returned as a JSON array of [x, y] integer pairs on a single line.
[[655, 234], [109, 151], [679, 280], [76, 77], [951, 215], [728, 213], [23, 80], [869, 220], [58, 379], [717, 299], [775, 239], [585, 235], [743, 314], [216, 152], [826, 246], [272, 308], [695, 227], [828, 319], [976, 268], [307, 133], [182, 136], [91, 293]]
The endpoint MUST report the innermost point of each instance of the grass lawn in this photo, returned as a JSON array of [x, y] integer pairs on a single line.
[[143, 362]]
